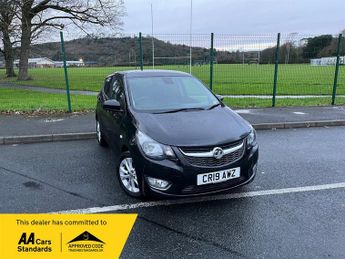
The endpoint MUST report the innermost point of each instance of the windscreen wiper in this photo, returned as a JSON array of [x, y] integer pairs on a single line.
[[213, 106], [180, 110]]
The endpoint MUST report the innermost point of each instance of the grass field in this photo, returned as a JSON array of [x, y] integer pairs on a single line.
[[25, 100], [228, 80], [234, 79]]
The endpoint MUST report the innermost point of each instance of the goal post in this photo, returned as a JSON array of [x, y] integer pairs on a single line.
[[179, 61], [175, 60]]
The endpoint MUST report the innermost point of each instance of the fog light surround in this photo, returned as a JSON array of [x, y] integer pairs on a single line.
[[255, 168], [158, 184]]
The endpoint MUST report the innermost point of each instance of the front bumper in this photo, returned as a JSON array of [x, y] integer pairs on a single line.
[[183, 176]]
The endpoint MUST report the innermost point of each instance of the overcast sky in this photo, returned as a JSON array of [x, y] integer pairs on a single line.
[[236, 16]]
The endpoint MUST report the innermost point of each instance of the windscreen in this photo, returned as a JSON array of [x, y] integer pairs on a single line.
[[169, 93]]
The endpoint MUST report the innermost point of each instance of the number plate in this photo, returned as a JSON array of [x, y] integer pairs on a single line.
[[219, 176]]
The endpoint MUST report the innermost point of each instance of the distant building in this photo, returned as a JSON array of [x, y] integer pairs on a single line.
[[91, 63], [70, 63], [327, 61], [38, 62]]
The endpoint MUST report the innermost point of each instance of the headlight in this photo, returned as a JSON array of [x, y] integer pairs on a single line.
[[251, 138], [153, 149]]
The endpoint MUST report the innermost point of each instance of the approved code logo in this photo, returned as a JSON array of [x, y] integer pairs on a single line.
[[85, 242]]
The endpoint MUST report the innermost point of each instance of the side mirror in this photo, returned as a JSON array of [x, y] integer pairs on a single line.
[[220, 97], [111, 105]]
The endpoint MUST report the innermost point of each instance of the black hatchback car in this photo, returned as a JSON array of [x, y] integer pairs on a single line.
[[172, 135]]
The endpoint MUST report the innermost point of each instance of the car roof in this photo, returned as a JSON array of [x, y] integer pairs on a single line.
[[151, 73]]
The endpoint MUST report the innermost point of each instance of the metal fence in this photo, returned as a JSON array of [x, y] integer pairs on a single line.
[[250, 71]]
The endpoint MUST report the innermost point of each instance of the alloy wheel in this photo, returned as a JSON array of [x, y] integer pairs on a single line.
[[128, 175], [98, 131]]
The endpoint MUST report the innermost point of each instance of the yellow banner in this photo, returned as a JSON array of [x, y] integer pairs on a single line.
[[64, 236]]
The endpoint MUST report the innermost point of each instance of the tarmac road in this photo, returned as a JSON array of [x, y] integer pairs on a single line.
[[22, 125], [274, 221]]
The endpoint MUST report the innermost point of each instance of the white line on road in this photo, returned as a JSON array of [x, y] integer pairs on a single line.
[[53, 120], [279, 96], [122, 207], [299, 113], [242, 111]]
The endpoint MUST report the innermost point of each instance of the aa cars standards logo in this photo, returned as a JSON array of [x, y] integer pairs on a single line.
[[86, 242], [30, 243]]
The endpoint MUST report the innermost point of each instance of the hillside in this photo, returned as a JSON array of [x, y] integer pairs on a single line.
[[125, 51], [116, 51]]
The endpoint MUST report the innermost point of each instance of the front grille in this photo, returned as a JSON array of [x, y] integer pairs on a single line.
[[211, 161], [208, 148], [194, 189]]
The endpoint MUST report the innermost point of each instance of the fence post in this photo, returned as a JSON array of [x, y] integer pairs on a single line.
[[276, 72], [63, 54], [141, 52], [334, 93], [211, 62]]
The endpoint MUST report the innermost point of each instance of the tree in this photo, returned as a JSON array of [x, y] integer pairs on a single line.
[[315, 45], [8, 33], [36, 15]]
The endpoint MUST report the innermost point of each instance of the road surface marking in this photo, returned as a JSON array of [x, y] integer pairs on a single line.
[[280, 96], [299, 113], [53, 120], [231, 196], [243, 111]]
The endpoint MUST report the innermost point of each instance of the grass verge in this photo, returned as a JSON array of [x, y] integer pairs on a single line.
[[259, 103], [25, 100]]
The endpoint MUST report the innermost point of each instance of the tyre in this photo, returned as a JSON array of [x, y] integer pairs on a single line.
[[100, 135], [129, 180]]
